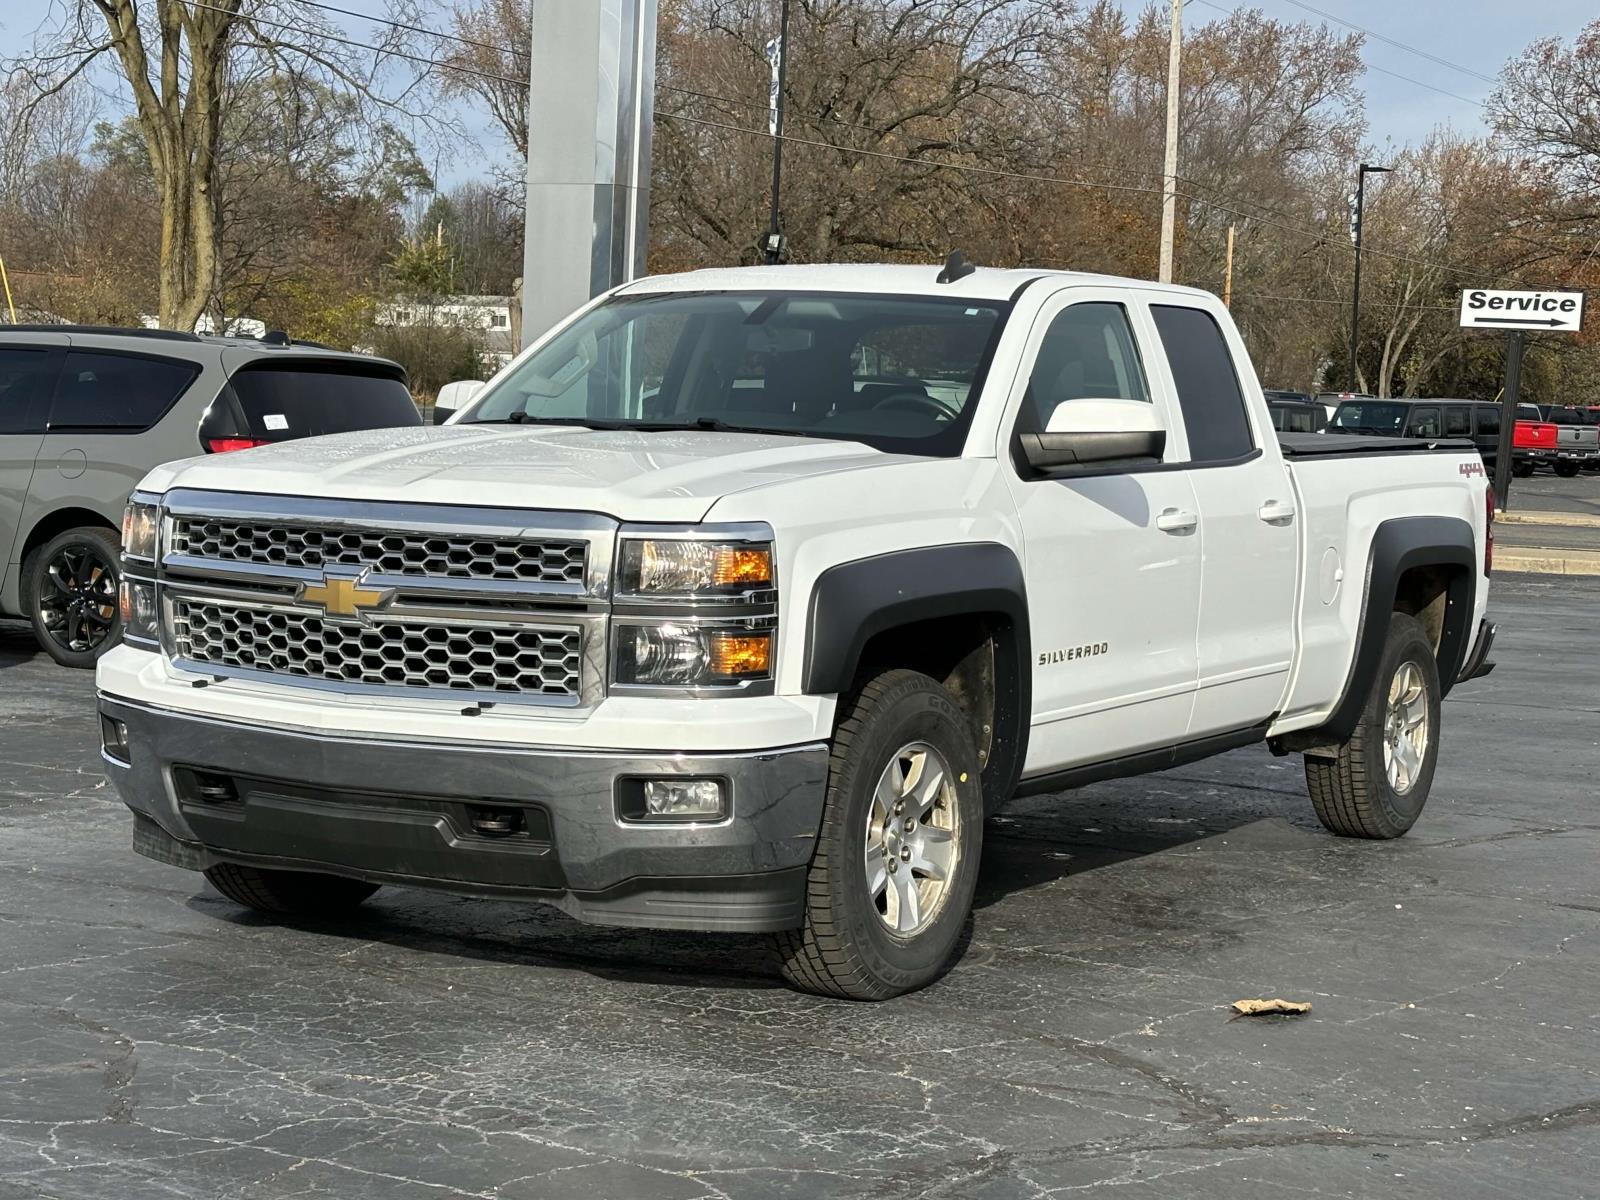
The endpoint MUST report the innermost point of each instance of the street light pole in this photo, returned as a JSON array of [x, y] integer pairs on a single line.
[[779, 53], [1169, 182], [1355, 236]]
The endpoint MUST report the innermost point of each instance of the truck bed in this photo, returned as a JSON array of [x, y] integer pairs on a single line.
[[1354, 445]]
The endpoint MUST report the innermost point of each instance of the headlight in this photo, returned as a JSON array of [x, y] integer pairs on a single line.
[[140, 525], [683, 655], [662, 567]]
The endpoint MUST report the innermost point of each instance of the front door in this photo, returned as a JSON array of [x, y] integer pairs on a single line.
[[1112, 557]]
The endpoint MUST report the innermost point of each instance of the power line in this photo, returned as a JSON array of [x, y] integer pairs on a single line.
[[1395, 42], [991, 172], [1371, 66]]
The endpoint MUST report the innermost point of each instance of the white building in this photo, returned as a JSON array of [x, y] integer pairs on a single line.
[[491, 315]]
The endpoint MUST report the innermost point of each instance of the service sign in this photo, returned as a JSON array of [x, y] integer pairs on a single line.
[[1486, 308]]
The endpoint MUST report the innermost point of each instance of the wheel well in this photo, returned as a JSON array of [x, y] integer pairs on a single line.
[[59, 522], [1424, 593], [975, 657]]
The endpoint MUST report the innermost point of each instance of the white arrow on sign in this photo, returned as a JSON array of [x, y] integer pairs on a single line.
[[1487, 308]]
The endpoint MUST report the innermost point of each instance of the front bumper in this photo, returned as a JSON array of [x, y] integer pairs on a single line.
[[392, 811]]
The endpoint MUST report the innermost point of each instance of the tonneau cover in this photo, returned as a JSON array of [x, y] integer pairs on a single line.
[[1350, 445]]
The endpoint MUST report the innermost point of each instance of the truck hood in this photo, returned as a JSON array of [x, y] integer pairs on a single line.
[[632, 476]]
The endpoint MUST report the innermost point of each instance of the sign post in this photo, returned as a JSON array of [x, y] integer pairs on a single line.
[[1515, 312]]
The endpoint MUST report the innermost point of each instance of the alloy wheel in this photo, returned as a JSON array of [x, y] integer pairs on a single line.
[[1405, 728], [911, 843], [78, 598]]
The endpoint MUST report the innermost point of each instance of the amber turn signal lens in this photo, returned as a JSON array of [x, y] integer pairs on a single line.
[[739, 566], [740, 654]]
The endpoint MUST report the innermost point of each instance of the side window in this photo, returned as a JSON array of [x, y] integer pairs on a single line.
[[26, 377], [1425, 423], [119, 393], [1488, 420], [1457, 423], [1088, 353], [1208, 387]]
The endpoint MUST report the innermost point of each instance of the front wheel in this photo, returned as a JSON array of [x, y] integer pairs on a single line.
[[890, 885], [288, 893], [1375, 784]]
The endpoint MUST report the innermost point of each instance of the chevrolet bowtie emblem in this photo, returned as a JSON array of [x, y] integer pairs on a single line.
[[343, 595]]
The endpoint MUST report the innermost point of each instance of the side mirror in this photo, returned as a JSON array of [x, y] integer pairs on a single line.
[[1089, 432], [453, 397]]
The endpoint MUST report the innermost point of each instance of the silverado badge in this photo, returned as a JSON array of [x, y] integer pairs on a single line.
[[343, 596]]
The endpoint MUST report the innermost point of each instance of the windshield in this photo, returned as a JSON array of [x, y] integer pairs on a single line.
[[898, 373], [1370, 416]]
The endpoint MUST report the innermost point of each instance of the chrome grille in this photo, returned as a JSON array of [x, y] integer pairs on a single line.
[[385, 551], [510, 659]]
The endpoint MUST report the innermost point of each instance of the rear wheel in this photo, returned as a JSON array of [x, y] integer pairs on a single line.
[[1567, 469], [1377, 783], [1522, 469], [70, 593], [288, 893], [890, 886]]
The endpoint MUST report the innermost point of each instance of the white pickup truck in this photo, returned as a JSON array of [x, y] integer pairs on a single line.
[[737, 601]]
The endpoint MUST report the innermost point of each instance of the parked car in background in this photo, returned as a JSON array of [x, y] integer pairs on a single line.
[[1296, 412], [85, 412], [1475, 420], [1577, 440]]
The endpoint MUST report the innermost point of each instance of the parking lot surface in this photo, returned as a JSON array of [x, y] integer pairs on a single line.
[[157, 1041]]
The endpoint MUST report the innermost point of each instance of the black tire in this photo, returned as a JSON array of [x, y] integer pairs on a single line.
[[846, 947], [1352, 791], [1567, 470], [1522, 470], [69, 591], [288, 893]]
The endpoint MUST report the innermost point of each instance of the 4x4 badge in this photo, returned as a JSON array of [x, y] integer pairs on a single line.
[[343, 595]]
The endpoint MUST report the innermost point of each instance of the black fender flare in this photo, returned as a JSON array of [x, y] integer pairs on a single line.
[[1399, 545], [855, 601]]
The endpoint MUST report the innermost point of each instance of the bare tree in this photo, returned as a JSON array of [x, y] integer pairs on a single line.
[[186, 64]]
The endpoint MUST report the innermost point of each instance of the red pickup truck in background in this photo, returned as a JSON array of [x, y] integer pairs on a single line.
[[1564, 439]]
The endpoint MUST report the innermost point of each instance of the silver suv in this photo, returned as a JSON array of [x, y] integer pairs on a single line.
[[86, 411]]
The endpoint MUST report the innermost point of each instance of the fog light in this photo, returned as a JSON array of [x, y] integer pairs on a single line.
[[114, 738], [137, 603], [682, 799]]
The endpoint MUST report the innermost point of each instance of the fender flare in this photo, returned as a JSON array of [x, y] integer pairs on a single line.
[[1399, 545], [855, 601]]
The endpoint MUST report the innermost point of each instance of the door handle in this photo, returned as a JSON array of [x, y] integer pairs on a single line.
[[1176, 520], [1276, 510]]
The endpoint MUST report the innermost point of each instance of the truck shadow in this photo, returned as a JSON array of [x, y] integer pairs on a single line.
[[17, 644], [1029, 847]]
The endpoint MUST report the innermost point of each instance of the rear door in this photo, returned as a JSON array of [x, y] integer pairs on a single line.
[[27, 377], [1248, 524]]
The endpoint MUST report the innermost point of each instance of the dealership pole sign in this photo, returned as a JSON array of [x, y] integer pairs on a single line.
[[1488, 308], [1517, 313]]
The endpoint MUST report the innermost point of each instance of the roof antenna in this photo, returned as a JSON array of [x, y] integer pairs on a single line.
[[956, 267]]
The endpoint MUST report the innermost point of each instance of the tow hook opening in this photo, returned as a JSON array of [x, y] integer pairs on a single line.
[[496, 822]]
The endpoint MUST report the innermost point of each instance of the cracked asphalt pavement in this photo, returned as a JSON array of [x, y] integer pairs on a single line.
[[157, 1041]]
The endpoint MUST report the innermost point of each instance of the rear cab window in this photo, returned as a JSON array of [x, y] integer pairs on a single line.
[[280, 401], [1370, 416], [1209, 395]]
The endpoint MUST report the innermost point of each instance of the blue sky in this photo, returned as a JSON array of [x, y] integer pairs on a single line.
[[1476, 34]]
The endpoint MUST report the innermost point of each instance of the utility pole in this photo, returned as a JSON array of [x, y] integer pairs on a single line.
[[1227, 274], [1169, 184], [778, 56], [1357, 208], [1509, 398]]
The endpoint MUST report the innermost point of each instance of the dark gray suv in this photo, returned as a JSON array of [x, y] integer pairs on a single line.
[[85, 412]]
